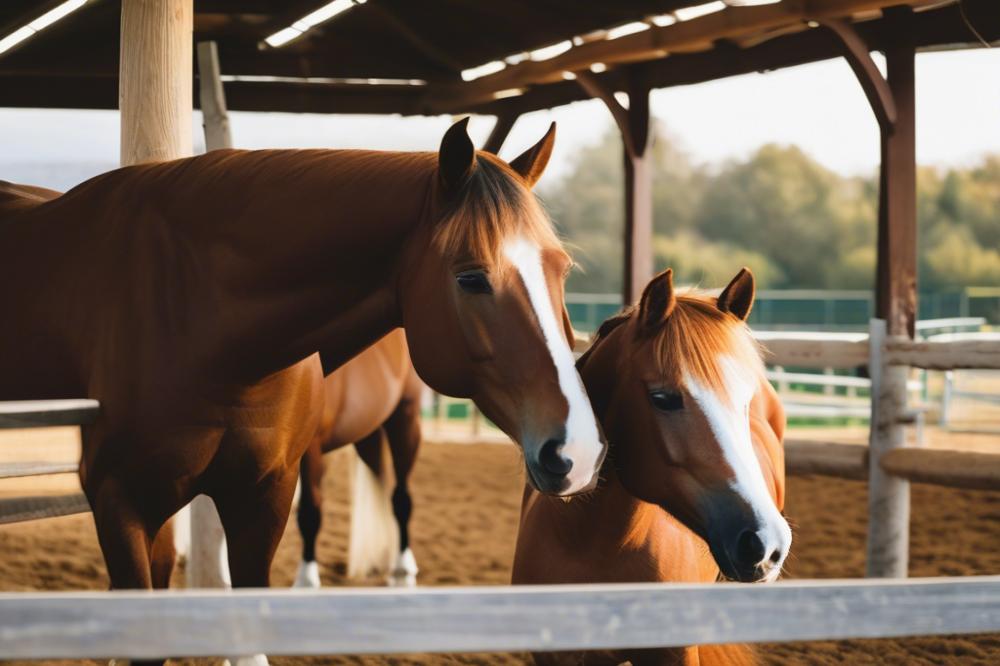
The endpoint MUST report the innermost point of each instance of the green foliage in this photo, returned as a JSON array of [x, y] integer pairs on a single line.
[[794, 222]]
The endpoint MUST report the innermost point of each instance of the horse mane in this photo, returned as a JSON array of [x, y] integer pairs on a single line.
[[692, 339], [491, 206]]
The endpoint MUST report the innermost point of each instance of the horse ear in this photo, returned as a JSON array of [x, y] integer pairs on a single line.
[[531, 163], [737, 297], [657, 300], [456, 157]]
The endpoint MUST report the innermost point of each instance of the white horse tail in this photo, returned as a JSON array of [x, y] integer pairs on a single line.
[[374, 542]]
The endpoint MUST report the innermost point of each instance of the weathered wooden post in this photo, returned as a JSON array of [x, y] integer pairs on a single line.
[[888, 496], [892, 101], [207, 558], [154, 93]]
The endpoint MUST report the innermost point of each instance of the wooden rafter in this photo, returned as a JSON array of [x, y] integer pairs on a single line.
[[731, 23]]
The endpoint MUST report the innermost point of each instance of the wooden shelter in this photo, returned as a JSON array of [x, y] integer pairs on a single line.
[[503, 58]]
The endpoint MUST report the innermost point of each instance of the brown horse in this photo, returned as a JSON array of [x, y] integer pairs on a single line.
[[190, 298], [371, 399], [696, 457]]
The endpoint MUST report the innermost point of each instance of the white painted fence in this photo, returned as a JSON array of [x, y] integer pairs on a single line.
[[486, 619], [353, 621]]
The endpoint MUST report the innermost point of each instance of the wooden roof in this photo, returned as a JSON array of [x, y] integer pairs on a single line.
[[422, 48]]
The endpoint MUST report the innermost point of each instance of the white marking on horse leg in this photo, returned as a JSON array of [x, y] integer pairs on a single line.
[[307, 576], [730, 423], [583, 444], [404, 572]]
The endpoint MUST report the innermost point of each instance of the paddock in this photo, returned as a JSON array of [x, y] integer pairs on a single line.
[[153, 89]]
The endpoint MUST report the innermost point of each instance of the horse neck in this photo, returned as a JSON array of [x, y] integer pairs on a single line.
[[296, 251]]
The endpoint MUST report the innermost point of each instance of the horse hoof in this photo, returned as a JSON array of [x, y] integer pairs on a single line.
[[254, 660], [308, 576], [404, 580]]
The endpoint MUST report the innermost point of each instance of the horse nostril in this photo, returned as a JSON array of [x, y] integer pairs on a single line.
[[749, 548], [775, 556], [552, 459]]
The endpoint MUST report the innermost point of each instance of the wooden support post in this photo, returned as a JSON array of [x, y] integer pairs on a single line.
[[892, 102], [634, 124], [215, 117], [154, 92], [505, 122], [896, 279], [208, 560], [888, 496]]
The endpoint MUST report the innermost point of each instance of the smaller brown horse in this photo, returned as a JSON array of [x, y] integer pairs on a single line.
[[374, 397], [696, 457]]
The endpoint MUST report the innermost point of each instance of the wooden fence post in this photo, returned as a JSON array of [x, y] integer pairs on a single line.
[[888, 496]]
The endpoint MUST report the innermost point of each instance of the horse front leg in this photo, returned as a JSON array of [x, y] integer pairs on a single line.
[[126, 536]]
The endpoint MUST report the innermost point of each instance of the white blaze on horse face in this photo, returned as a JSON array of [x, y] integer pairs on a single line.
[[583, 443], [729, 421]]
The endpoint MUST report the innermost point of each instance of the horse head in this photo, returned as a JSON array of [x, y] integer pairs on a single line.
[[482, 306], [679, 387]]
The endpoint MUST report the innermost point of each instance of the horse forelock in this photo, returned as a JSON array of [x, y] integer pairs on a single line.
[[701, 342], [491, 207], [697, 341]]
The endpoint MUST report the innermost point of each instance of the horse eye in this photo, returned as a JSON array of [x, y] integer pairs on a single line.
[[474, 282], [666, 402]]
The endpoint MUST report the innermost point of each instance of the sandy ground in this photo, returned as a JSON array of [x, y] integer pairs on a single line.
[[464, 527]]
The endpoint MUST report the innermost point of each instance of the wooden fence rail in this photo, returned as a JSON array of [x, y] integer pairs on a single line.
[[485, 619]]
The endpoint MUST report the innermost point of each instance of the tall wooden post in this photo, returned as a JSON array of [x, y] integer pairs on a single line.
[[638, 197], [207, 556], [893, 103], [896, 304], [634, 124], [154, 92]]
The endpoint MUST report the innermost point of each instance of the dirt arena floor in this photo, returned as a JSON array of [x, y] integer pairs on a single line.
[[466, 506]]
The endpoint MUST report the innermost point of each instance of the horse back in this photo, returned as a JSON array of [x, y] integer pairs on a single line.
[[16, 198]]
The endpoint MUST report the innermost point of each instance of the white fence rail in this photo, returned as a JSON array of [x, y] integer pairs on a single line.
[[485, 619]]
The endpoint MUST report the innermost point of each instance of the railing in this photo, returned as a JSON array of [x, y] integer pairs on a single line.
[[485, 619], [352, 621], [38, 414]]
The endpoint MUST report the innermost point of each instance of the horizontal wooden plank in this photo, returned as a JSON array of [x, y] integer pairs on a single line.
[[828, 411], [814, 350], [19, 469], [957, 469], [20, 509], [485, 619], [954, 355], [846, 461], [42, 413]]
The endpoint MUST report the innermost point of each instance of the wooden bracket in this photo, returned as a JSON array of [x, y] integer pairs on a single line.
[[875, 86], [633, 122], [505, 122]]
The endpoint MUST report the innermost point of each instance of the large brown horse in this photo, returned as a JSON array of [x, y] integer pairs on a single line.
[[696, 457], [373, 400], [190, 298]]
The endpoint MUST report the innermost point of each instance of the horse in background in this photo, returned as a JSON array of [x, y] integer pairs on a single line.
[[191, 298], [696, 459], [373, 400]]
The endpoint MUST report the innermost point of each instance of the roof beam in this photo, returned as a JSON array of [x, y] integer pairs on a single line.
[[694, 34]]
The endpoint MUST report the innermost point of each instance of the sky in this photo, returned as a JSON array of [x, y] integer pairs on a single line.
[[819, 107]]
